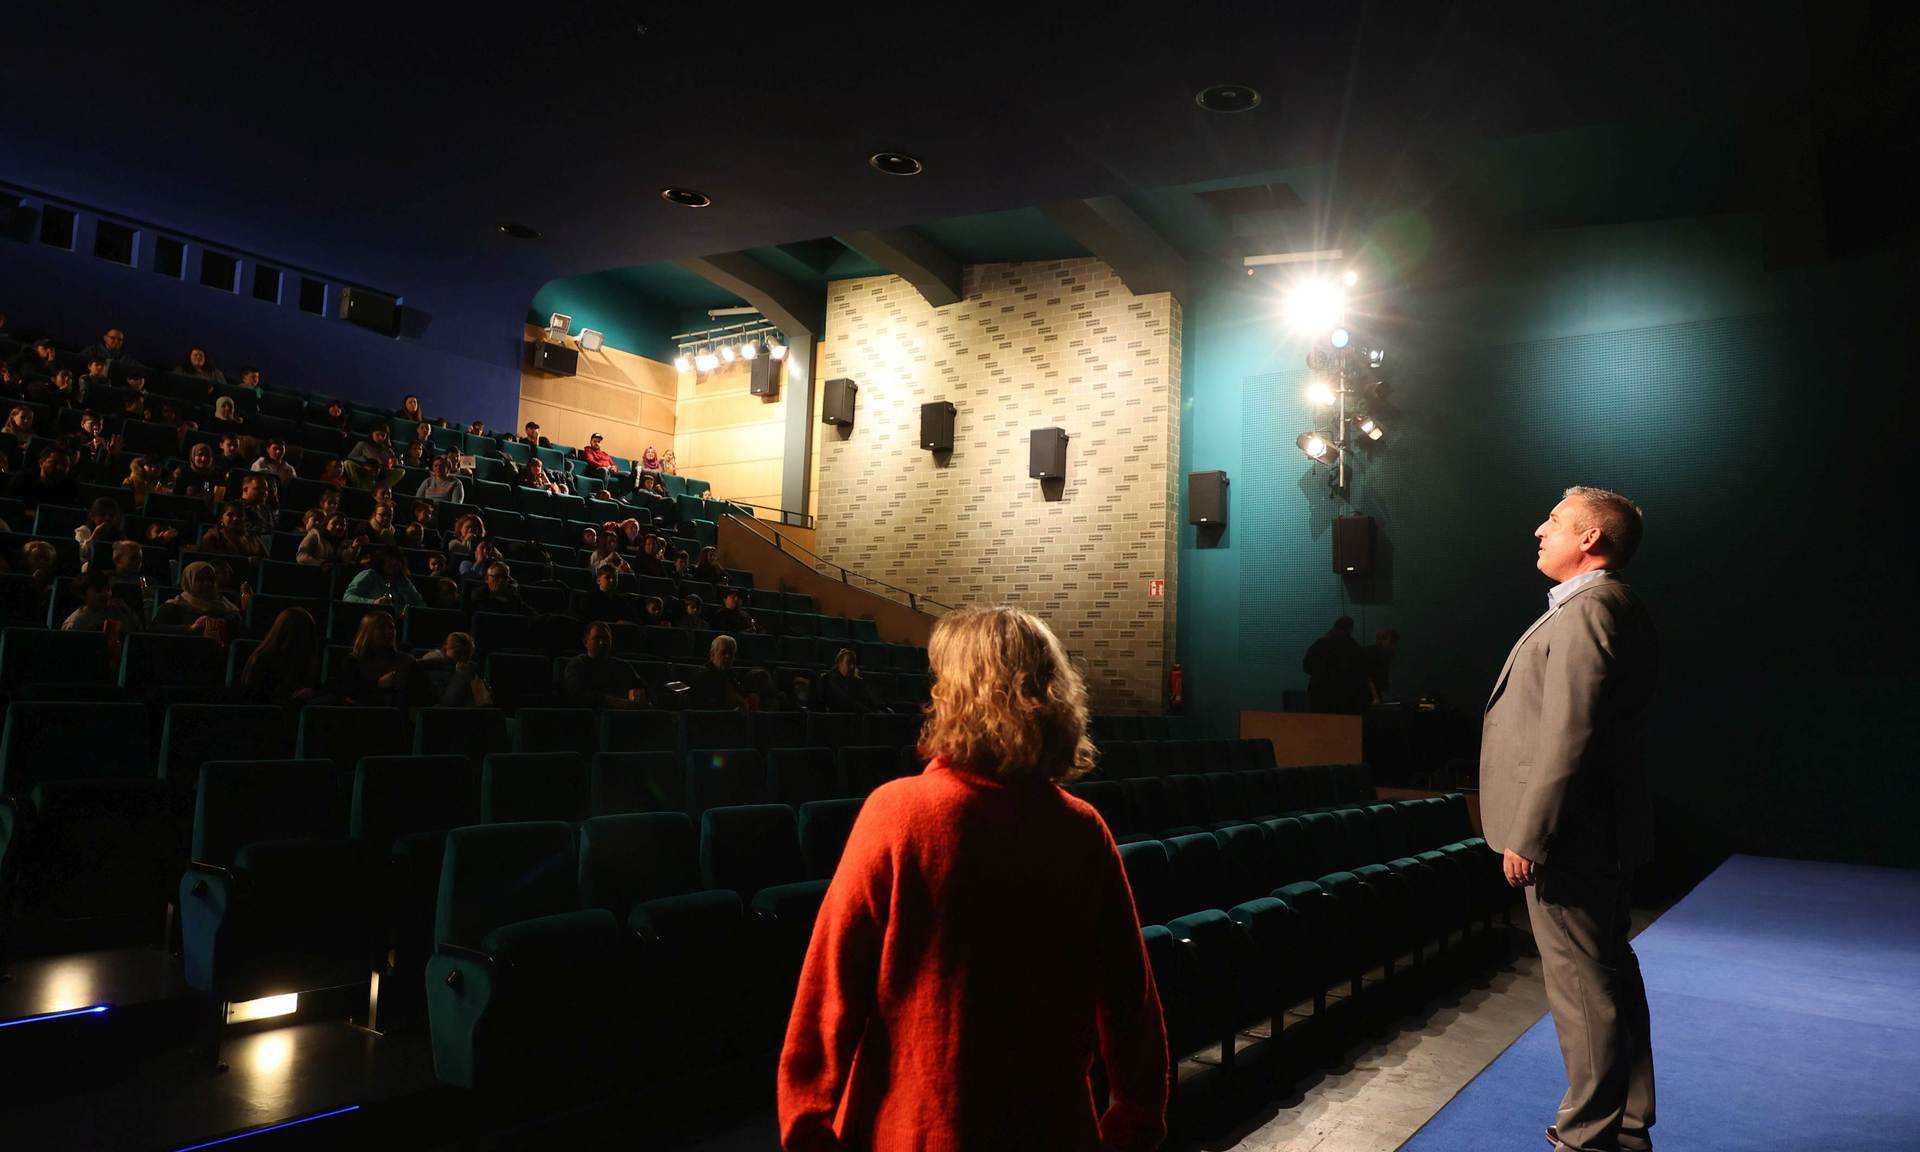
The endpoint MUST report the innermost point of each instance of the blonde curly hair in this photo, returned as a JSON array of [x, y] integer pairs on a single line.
[[1006, 700]]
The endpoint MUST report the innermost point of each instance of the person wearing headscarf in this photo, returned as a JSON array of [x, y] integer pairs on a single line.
[[199, 603]]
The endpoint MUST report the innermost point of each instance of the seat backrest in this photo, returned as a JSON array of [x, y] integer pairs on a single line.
[[516, 786], [193, 734], [832, 729], [824, 828], [1288, 857], [242, 802], [632, 857], [750, 847], [1109, 798], [151, 660], [796, 776], [1227, 797], [1244, 848], [71, 740], [653, 781], [575, 730], [396, 795], [1199, 868], [779, 730], [864, 767], [1118, 759], [469, 732], [345, 734], [1261, 787], [715, 729], [724, 777], [1389, 832], [639, 731], [1150, 877], [896, 728], [1251, 755], [50, 656], [496, 874]]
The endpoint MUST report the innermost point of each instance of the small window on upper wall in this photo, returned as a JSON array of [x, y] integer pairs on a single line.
[[313, 296], [56, 227], [219, 270], [170, 257], [113, 242], [266, 283]]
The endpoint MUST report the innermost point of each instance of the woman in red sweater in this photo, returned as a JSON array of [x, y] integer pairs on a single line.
[[979, 943]]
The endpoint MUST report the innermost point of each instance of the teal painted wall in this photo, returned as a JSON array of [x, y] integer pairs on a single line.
[[632, 321], [1760, 417]]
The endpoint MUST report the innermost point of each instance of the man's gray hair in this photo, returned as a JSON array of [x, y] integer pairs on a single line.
[[1618, 519], [721, 644]]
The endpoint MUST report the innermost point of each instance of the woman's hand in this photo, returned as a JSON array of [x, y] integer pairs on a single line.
[[389, 679]]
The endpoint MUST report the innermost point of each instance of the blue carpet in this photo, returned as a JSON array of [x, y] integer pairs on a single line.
[[1786, 1015]]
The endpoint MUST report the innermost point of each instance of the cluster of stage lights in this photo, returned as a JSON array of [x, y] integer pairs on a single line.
[[1347, 380], [705, 356]]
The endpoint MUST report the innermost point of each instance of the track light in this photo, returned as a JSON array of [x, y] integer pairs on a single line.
[[681, 363], [1350, 278], [727, 353], [776, 349], [1340, 338], [1316, 447], [1369, 427], [1319, 394], [705, 360], [750, 349], [1314, 305]]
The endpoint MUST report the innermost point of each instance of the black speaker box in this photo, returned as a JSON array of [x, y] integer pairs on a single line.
[[1353, 545], [372, 310], [764, 377], [936, 426], [1047, 456], [1206, 497], [553, 359], [836, 402]]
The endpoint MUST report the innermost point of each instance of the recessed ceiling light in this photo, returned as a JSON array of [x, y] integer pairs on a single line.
[[896, 163], [1228, 98], [519, 231], [685, 197]]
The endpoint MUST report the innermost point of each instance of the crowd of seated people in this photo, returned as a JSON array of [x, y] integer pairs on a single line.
[[203, 467]]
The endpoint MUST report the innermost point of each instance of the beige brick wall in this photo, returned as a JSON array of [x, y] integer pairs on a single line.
[[1061, 344]]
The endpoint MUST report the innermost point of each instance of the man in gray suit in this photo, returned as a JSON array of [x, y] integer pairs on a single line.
[[1563, 798]]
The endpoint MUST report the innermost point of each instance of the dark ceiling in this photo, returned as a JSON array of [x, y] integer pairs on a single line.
[[385, 145]]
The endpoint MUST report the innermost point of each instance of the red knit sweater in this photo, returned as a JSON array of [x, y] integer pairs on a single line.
[[977, 943]]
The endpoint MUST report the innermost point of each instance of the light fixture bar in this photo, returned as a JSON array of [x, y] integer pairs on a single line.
[[265, 1008], [95, 1010], [743, 310], [1323, 255]]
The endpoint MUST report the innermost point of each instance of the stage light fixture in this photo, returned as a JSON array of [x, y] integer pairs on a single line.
[[592, 339], [1340, 338], [750, 349], [265, 1008], [1369, 427], [727, 353], [1350, 278], [1314, 305], [681, 363], [1320, 394], [1316, 447], [705, 360], [775, 349]]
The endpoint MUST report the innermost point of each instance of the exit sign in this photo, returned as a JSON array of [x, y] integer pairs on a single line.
[[1156, 588]]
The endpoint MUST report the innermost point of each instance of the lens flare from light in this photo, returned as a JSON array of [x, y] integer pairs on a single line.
[[1314, 305], [1341, 338], [1319, 394], [681, 363]]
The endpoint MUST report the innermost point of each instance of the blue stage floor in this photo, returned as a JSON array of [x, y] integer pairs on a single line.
[[1786, 1015]]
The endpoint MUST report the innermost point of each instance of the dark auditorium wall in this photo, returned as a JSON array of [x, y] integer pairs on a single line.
[[460, 351], [1761, 416]]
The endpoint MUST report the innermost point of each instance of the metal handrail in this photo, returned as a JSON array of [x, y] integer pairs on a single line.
[[814, 560], [806, 519]]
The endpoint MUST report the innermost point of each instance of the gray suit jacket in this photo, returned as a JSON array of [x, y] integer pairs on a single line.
[[1562, 779]]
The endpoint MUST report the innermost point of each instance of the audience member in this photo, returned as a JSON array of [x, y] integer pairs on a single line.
[[982, 829], [94, 450], [227, 455], [372, 461], [1336, 676], [111, 349], [709, 569], [715, 687], [600, 462], [605, 602], [37, 360], [693, 614], [105, 525], [500, 593], [532, 437], [325, 546], [198, 365], [484, 555], [128, 562], [535, 475], [99, 607], [841, 688], [380, 525], [653, 612], [410, 412], [199, 477], [143, 480], [257, 503], [652, 563], [226, 414], [275, 463], [60, 390], [95, 377], [452, 675], [732, 616], [41, 564], [385, 582], [375, 672], [467, 531], [334, 416], [285, 668], [200, 607], [50, 483], [606, 554], [250, 378], [439, 485], [477, 428], [595, 679], [1377, 658], [233, 536]]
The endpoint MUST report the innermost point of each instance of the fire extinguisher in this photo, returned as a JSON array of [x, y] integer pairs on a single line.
[[1174, 687]]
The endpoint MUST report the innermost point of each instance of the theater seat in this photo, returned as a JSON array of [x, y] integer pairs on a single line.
[[151, 662], [520, 786], [525, 995], [638, 782], [754, 850], [345, 734], [824, 828], [575, 730], [192, 734], [796, 776], [862, 768], [724, 777], [48, 656], [470, 732]]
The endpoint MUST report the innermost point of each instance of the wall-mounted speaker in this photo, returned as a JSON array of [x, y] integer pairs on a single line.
[[372, 310], [1206, 497], [936, 426], [1047, 454], [1353, 545], [836, 402], [553, 359], [763, 379]]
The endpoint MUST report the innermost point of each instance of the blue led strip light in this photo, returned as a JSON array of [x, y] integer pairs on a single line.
[[272, 1128], [96, 1010]]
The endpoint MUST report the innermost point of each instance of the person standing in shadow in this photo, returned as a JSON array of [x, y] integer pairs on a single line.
[[1336, 671]]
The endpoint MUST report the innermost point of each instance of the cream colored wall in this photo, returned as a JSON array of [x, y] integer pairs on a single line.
[[629, 399], [729, 437]]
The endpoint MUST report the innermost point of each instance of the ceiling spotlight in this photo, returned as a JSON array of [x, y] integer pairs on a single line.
[[685, 197], [775, 349], [896, 163], [518, 231], [1341, 338], [727, 353], [681, 363], [1319, 394], [1350, 278], [1314, 305], [750, 349], [1228, 98], [1316, 447], [591, 339], [1370, 428], [705, 360]]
